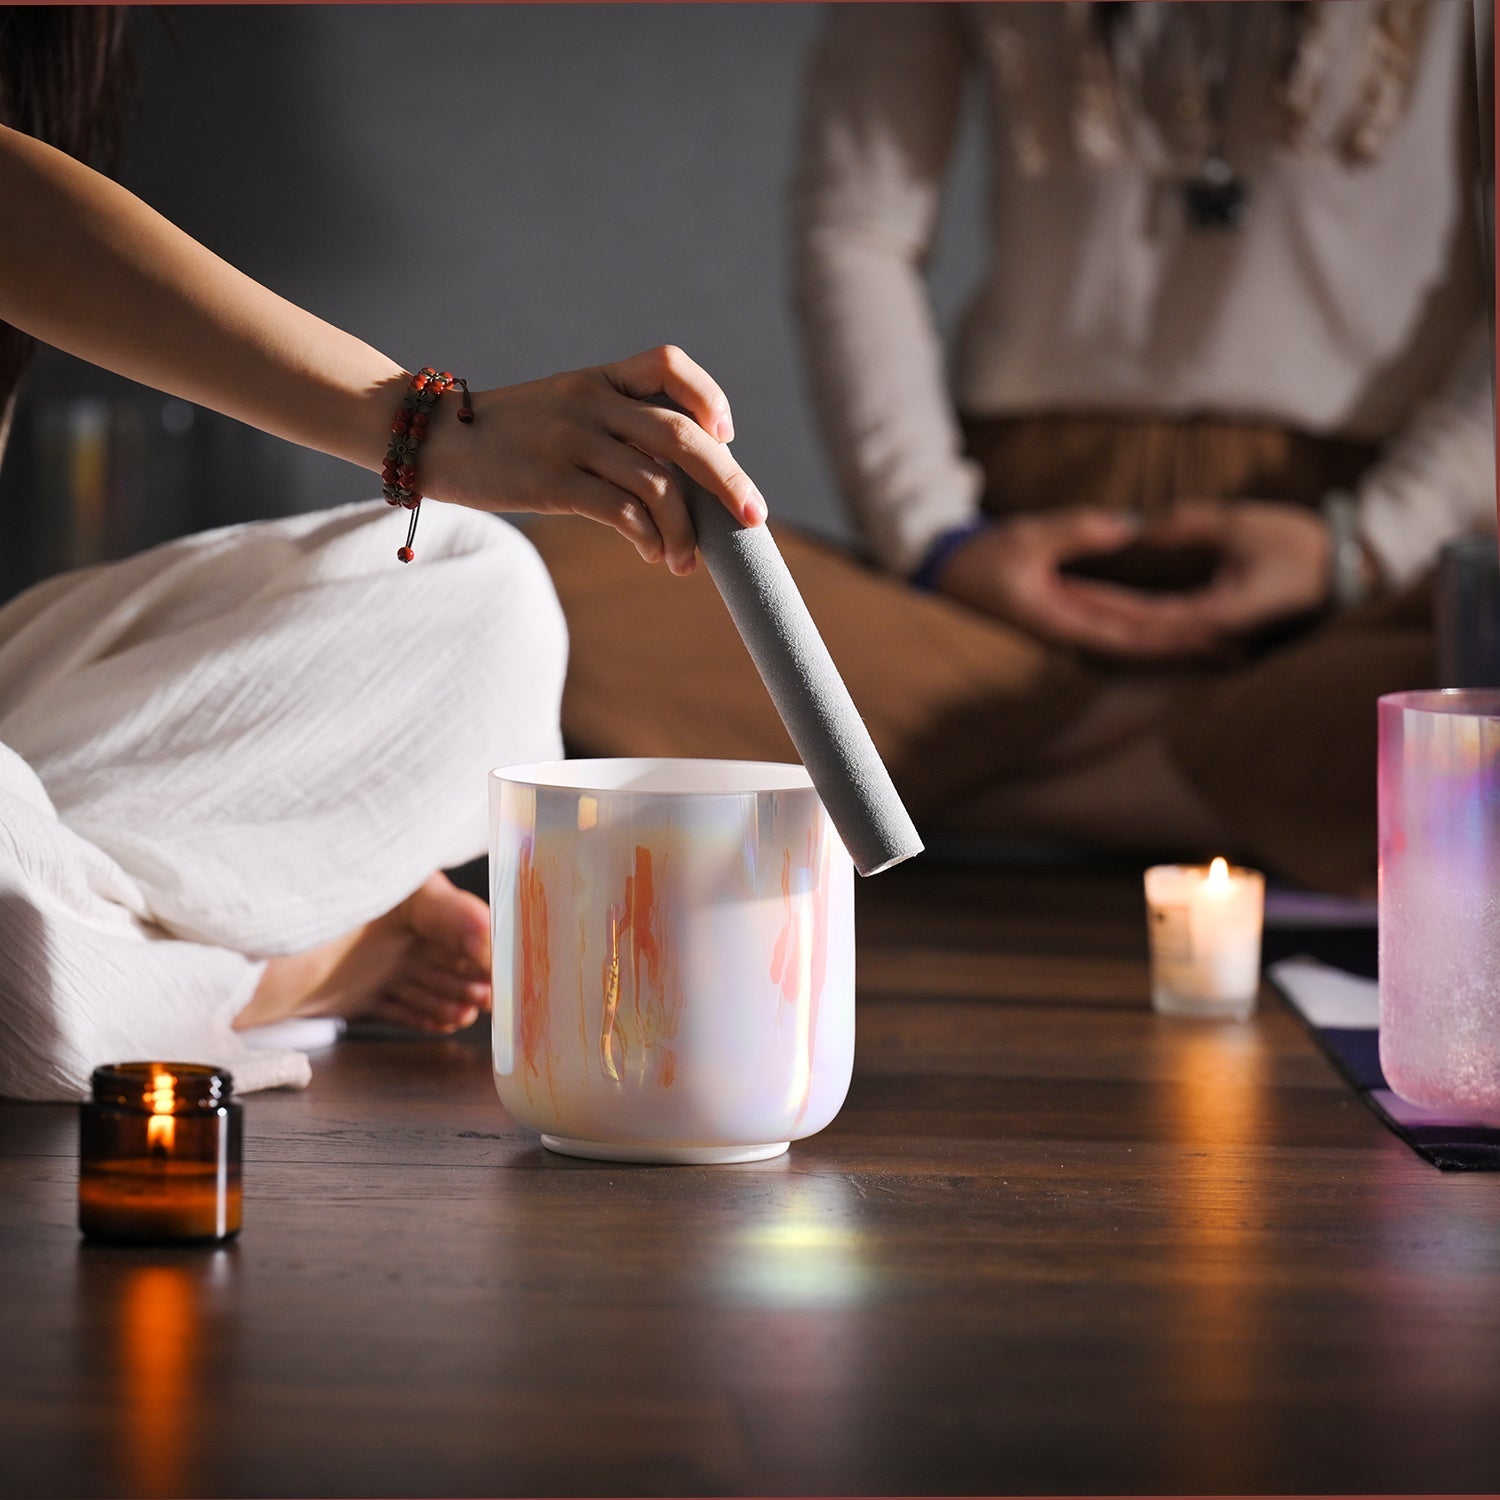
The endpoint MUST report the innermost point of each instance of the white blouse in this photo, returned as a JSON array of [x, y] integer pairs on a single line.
[[1351, 302]]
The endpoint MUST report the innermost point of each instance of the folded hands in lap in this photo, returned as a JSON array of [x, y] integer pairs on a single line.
[[1271, 563]]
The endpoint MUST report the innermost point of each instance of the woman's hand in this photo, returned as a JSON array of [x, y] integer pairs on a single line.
[[589, 443], [1012, 571], [1274, 560]]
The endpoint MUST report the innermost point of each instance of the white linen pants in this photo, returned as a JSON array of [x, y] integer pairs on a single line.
[[241, 744]]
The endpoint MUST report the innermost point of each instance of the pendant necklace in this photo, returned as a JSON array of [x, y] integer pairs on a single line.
[[1214, 196]]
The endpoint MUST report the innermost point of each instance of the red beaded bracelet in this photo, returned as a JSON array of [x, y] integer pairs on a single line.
[[408, 428]]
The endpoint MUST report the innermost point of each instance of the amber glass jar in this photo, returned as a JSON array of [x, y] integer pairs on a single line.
[[159, 1154]]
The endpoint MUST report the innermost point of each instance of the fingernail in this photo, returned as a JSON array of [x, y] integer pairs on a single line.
[[725, 429], [755, 511]]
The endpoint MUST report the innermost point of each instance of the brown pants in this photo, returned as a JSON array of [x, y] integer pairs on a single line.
[[1282, 747]]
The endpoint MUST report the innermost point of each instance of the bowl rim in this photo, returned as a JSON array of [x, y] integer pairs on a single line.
[[584, 774], [1471, 702]]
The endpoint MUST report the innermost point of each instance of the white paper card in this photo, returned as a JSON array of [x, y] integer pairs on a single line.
[[1328, 996]]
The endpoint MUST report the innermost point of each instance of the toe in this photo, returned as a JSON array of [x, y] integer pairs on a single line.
[[429, 975], [422, 1011], [452, 921]]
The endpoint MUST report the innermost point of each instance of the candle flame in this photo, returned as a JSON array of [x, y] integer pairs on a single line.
[[161, 1128], [1218, 875], [160, 1131], [162, 1092]]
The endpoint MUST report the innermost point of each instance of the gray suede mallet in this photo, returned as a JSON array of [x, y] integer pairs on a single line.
[[804, 684]]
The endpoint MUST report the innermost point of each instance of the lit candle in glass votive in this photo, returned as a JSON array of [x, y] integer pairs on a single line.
[[159, 1154], [1205, 923]]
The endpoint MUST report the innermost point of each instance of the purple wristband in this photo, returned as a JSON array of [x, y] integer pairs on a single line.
[[941, 551]]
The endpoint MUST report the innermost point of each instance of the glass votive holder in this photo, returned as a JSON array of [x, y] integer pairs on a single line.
[[159, 1154], [1204, 923]]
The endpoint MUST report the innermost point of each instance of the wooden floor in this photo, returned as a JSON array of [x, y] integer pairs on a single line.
[[1052, 1244]]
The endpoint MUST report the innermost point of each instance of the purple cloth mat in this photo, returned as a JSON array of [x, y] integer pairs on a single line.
[[1453, 1145], [1449, 1144]]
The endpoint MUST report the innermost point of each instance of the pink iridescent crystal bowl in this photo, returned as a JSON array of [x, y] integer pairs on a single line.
[[674, 957], [1440, 899]]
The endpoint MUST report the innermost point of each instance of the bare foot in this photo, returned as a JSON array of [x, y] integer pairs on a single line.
[[424, 964]]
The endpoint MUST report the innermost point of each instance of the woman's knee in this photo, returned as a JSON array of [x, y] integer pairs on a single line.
[[504, 607], [513, 602]]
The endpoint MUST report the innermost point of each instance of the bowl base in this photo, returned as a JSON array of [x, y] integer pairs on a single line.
[[661, 1153]]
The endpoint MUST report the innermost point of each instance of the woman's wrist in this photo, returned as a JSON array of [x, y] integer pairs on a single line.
[[401, 484], [354, 412], [376, 407], [941, 551]]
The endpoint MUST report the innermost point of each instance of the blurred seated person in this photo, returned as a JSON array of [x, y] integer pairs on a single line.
[[1137, 573]]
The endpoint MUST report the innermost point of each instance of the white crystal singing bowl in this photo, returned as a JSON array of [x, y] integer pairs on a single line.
[[674, 957]]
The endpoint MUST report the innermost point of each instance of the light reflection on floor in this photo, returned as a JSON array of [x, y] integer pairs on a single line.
[[800, 1249], [160, 1357], [1215, 1104]]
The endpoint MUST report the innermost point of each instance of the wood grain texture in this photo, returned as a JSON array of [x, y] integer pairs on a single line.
[[1052, 1244]]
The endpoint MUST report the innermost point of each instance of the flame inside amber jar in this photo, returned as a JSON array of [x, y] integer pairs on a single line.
[[159, 1154]]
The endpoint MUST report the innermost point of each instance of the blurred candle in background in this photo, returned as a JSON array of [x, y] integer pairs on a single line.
[[1205, 924]]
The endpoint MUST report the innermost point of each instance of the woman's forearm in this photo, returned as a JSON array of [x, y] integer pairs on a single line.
[[89, 268], [1435, 477], [882, 106]]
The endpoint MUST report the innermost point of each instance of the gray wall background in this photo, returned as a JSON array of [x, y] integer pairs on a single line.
[[505, 190]]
